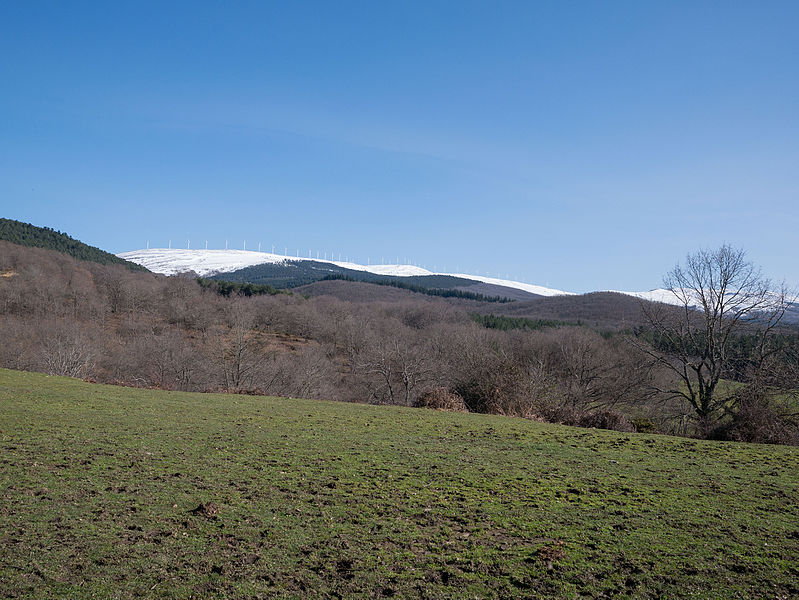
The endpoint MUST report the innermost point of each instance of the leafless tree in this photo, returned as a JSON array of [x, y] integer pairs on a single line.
[[238, 353], [395, 368], [304, 373], [172, 361], [719, 293], [491, 375], [67, 351], [599, 374]]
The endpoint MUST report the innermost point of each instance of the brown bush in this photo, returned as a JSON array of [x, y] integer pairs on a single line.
[[605, 419], [757, 418], [441, 399], [600, 419], [644, 425]]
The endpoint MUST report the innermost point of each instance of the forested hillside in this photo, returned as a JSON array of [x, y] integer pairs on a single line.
[[296, 273], [26, 234]]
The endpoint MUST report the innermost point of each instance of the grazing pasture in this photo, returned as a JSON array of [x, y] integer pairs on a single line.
[[125, 493]]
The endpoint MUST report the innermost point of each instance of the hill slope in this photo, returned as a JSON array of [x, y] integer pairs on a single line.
[[140, 493], [365, 291], [25, 234], [602, 309], [294, 273]]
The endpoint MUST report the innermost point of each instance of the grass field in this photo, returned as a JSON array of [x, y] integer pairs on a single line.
[[102, 486]]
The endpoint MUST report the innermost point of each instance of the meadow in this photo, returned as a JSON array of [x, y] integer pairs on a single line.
[[114, 492]]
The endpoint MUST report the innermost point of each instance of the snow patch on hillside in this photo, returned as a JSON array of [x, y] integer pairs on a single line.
[[171, 261], [658, 295], [526, 287]]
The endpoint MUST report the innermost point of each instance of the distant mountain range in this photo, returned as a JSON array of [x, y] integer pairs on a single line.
[[348, 280], [281, 271], [286, 271], [207, 263]]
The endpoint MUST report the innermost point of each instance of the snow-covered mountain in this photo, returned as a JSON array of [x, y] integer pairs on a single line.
[[170, 261], [203, 262]]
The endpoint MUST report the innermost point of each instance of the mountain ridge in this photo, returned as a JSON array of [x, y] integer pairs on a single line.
[[205, 263], [171, 261], [233, 265]]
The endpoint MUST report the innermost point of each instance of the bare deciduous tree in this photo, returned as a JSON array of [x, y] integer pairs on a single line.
[[719, 293], [67, 351], [238, 352], [395, 369], [172, 360]]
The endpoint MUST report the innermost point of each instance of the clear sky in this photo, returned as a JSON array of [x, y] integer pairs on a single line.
[[580, 145]]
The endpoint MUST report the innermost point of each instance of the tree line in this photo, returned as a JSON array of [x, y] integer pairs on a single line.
[[232, 288], [505, 323]]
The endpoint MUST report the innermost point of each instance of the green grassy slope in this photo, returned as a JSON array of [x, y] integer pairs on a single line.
[[26, 234], [321, 499]]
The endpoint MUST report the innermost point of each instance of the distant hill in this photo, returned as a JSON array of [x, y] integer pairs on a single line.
[[490, 289], [598, 309], [355, 291], [359, 291], [296, 273], [791, 317], [293, 273], [25, 234]]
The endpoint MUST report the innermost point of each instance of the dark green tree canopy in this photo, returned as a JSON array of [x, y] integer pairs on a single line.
[[26, 234]]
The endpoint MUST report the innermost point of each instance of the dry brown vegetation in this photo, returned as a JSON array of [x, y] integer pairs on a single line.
[[105, 323]]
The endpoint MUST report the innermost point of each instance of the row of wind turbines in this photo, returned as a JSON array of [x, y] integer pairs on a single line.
[[322, 255]]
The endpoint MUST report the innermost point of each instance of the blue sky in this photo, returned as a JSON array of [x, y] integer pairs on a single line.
[[580, 145]]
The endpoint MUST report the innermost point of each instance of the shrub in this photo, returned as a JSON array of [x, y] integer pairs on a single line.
[[605, 419], [441, 399], [558, 413], [601, 419], [644, 425], [757, 419]]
